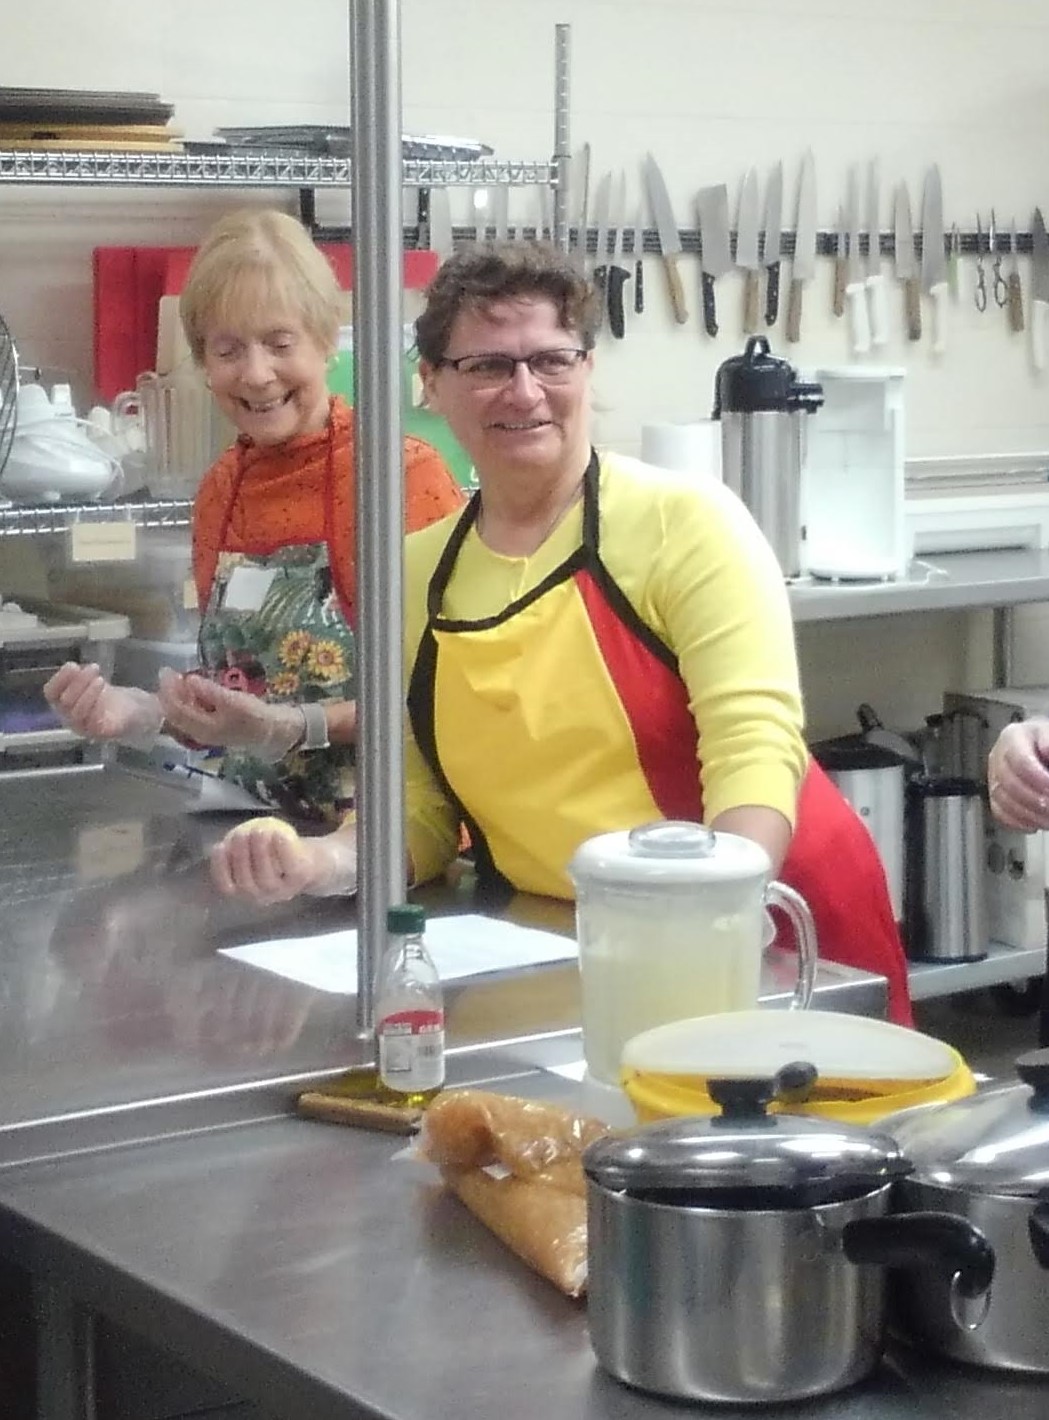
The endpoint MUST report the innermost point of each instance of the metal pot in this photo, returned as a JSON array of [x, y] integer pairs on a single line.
[[987, 1159], [730, 1257]]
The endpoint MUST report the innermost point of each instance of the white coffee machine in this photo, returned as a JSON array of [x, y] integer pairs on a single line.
[[852, 480]]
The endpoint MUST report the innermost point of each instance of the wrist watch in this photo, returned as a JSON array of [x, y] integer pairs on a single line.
[[315, 727]]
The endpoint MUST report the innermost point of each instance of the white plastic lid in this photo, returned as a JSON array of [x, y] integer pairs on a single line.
[[670, 853]]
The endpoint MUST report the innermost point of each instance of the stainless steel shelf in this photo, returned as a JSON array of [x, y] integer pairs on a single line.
[[1001, 964], [119, 169], [37, 519]]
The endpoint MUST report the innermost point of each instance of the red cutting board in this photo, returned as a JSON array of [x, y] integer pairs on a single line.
[[128, 285]]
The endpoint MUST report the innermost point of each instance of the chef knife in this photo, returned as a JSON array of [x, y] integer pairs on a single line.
[[747, 250], [1014, 287], [841, 264], [618, 275], [906, 264], [1039, 288], [855, 285], [712, 211], [804, 268], [773, 250], [934, 258], [876, 290], [501, 213], [638, 249], [669, 236], [602, 197], [440, 236]]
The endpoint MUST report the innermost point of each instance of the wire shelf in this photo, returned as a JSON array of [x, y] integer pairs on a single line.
[[40, 519]]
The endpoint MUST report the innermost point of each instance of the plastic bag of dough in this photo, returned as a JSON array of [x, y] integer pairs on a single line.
[[472, 1129], [544, 1225]]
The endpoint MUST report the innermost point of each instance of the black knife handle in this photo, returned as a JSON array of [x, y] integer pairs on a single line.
[[639, 287], [600, 280], [772, 295], [617, 276], [710, 318]]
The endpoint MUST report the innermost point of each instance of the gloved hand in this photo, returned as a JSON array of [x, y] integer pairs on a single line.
[[87, 703], [266, 860], [1018, 775], [204, 711]]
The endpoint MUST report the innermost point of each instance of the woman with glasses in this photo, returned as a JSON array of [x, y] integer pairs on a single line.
[[592, 643], [273, 535]]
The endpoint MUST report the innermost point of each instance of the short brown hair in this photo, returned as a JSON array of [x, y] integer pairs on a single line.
[[495, 271], [260, 250]]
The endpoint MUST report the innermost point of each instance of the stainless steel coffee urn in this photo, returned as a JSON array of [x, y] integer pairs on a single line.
[[759, 400]]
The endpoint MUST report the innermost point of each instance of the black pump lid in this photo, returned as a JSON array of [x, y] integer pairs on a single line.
[[758, 380]]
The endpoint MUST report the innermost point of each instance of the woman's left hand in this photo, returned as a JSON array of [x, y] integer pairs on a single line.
[[202, 710]]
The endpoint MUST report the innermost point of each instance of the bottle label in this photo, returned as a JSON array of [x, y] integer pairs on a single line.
[[411, 1050]]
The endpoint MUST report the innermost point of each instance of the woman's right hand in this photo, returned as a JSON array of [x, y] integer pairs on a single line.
[[1018, 777], [87, 703], [266, 860]]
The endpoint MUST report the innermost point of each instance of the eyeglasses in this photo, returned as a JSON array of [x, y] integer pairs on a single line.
[[549, 367]]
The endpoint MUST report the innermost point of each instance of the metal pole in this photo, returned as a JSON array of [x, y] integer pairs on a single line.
[[562, 158], [377, 324]]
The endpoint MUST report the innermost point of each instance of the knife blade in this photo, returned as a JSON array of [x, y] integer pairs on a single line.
[[638, 249], [440, 238], [712, 211], [804, 265], [1039, 288], [669, 237], [905, 262], [934, 258], [1014, 287], [773, 240], [747, 249], [580, 188], [841, 263], [855, 285], [599, 276], [501, 213], [618, 275], [544, 230], [877, 293], [480, 206]]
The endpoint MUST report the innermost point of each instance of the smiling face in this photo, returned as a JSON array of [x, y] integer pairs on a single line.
[[522, 426], [267, 372]]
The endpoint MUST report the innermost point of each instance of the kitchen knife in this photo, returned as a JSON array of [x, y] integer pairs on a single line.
[[1039, 288], [579, 176], [669, 236], [638, 250], [602, 198], [618, 275], [501, 213], [712, 211], [855, 285], [544, 230], [804, 267], [934, 258], [747, 250], [1014, 287], [906, 264], [841, 264], [953, 255], [877, 294], [440, 235], [773, 250]]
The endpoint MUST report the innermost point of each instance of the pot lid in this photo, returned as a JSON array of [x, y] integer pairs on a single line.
[[668, 853], [757, 380], [995, 1142], [745, 1153]]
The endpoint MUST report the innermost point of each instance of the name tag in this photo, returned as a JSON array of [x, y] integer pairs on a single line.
[[247, 587]]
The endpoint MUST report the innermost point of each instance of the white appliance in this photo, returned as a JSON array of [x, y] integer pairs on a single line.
[[852, 480]]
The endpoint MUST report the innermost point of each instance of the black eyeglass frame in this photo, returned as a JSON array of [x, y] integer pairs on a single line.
[[512, 361]]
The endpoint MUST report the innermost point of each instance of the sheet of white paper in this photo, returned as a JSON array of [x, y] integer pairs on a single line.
[[460, 946]]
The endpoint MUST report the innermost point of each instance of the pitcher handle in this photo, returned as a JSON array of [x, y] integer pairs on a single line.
[[797, 910]]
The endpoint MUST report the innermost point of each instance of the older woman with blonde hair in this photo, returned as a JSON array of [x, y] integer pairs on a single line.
[[274, 526]]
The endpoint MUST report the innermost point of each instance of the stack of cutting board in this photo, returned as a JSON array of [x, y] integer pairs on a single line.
[[83, 121]]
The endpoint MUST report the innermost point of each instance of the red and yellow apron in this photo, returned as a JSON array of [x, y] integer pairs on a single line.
[[564, 716]]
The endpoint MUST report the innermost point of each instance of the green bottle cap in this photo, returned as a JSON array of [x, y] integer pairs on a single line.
[[405, 919]]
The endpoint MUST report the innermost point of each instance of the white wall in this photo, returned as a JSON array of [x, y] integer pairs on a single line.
[[710, 86]]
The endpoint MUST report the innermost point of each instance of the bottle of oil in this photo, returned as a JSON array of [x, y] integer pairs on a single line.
[[409, 1012]]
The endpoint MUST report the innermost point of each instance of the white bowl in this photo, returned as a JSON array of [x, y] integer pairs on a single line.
[[50, 461]]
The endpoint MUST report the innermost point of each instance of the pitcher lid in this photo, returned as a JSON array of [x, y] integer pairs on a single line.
[[670, 852]]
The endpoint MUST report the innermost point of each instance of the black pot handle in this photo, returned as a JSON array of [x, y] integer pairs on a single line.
[[1038, 1230], [907, 1239]]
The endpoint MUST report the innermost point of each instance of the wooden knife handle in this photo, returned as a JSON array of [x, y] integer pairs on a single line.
[[1016, 303], [794, 301], [912, 305], [751, 301], [772, 295], [361, 1114], [677, 291], [710, 314], [840, 282]]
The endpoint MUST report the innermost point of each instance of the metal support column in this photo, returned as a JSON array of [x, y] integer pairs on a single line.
[[375, 77], [562, 157]]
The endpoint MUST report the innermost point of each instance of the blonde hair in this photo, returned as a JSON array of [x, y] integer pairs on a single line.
[[261, 258]]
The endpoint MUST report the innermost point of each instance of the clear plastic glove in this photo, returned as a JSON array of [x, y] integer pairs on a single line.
[[87, 703], [1018, 776], [266, 860], [200, 709]]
